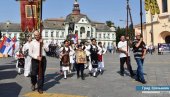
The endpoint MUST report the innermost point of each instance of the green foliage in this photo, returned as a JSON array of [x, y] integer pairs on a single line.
[[22, 38], [119, 33], [109, 23]]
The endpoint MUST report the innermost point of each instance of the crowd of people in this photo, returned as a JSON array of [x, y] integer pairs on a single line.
[[75, 57]]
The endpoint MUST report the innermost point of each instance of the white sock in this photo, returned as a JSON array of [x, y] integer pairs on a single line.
[[65, 73]]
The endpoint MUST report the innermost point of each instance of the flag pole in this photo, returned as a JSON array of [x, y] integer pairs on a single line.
[[41, 43], [127, 25], [141, 17]]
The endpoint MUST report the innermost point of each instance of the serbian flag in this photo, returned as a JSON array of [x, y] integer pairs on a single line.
[[12, 49], [29, 14], [2, 42], [7, 46]]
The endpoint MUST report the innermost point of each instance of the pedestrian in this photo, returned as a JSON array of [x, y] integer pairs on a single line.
[[20, 60], [124, 56], [65, 58], [80, 61], [38, 62], [101, 52], [93, 55], [27, 67], [139, 49]]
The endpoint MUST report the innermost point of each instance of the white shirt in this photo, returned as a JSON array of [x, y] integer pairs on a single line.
[[34, 49], [26, 46], [101, 51], [123, 45], [71, 53]]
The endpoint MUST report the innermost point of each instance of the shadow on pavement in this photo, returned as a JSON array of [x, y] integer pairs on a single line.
[[3, 67], [8, 74], [10, 89], [51, 80]]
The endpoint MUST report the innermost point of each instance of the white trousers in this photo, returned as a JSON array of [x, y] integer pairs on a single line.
[[27, 67], [100, 66]]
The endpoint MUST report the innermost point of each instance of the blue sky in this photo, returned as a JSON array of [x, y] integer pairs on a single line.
[[96, 10]]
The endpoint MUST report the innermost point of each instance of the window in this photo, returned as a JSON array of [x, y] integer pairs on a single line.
[[164, 6], [104, 35], [88, 33], [57, 34], [46, 34], [113, 36], [52, 33], [108, 36], [100, 36], [62, 34], [82, 30]]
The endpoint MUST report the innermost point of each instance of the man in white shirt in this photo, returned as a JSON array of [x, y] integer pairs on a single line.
[[124, 56], [34, 52]]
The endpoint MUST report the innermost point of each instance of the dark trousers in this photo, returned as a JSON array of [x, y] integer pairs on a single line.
[[35, 71], [128, 63], [80, 67]]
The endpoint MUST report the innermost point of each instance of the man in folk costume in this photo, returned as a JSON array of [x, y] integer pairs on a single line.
[[72, 56], [101, 51], [27, 67], [34, 52], [65, 57], [93, 55]]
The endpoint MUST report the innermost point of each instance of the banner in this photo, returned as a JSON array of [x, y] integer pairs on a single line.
[[29, 15], [163, 47]]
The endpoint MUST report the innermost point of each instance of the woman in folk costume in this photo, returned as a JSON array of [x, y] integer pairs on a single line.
[[65, 58], [88, 64], [101, 51], [27, 67], [93, 55], [72, 56], [80, 61], [20, 60]]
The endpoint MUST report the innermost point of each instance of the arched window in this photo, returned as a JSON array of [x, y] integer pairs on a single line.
[[82, 30]]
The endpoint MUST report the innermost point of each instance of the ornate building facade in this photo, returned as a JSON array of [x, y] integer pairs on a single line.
[[157, 27], [56, 29]]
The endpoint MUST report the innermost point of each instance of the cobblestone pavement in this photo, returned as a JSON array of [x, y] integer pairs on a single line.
[[110, 84]]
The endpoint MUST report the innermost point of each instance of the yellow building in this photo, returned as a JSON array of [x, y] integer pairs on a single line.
[[157, 27]]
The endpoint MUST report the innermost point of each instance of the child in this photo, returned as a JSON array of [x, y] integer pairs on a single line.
[[20, 60], [101, 51], [80, 61]]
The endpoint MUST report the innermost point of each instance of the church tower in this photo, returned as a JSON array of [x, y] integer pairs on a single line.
[[76, 9]]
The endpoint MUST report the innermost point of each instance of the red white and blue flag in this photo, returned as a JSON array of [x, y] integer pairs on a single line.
[[8, 46]]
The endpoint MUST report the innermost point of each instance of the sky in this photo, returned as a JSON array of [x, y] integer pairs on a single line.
[[96, 10]]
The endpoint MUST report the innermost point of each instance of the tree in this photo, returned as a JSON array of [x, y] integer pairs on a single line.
[[109, 23], [119, 33]]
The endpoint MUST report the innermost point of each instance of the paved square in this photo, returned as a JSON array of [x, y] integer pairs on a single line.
[[110, 84]]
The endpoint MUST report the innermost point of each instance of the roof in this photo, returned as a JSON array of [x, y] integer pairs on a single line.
[[102, 27], [54, 23], [10, 27], [76, 17]]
